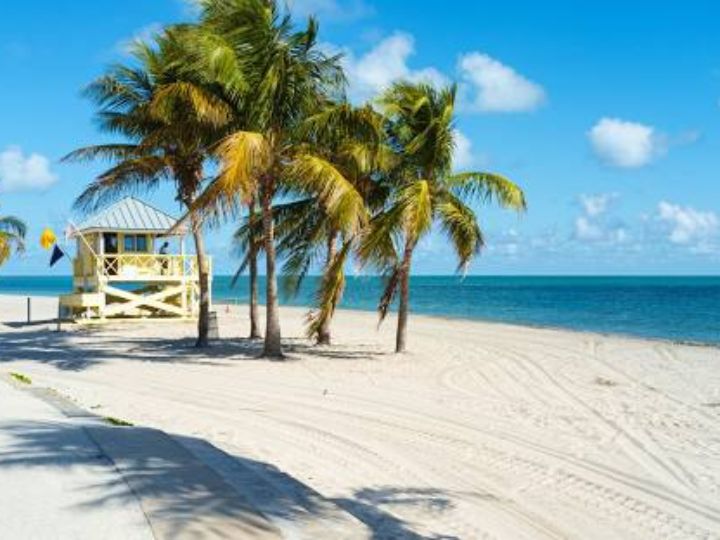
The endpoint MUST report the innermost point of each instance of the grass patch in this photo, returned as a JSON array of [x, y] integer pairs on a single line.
[[19, 377], [117, 421], [604, 382]]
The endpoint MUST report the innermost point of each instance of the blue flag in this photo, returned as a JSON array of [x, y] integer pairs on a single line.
[[57, 254]]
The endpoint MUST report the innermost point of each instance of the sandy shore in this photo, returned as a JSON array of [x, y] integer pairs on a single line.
[[483, 430]]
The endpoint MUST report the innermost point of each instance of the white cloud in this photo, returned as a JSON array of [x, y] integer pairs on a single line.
[[686, 137], [587, 230], [465, 157], [593, 225], [330, 9], [495, 87], [595, 205], [509, 243], [382, 65], [625, 144], [20, 172], [687, 225], [489, 85]]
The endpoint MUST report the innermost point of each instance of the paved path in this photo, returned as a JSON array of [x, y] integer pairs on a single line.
[[54, 481], [65, 473]]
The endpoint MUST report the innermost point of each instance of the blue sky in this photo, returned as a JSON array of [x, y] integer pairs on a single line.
[[608, 116]]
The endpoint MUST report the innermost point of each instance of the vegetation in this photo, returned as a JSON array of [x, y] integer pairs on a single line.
[[320, 181], [309, 233], [117, 422], [266, 152], [166, 141], [19, 377], [419, 126], [12, 237]]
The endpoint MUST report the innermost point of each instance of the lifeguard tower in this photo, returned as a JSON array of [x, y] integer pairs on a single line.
[[125, 267]]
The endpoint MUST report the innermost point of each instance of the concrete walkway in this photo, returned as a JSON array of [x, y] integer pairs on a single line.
[[65, 473], [55, 482]]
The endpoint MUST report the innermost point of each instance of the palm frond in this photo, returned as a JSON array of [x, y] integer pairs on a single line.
[[301, 231], [337, 122], [244, 156], [12, 237], [127, 177], [330, 291], [13, 226], [342, 203], [416, 199], [488, 187], [392, 280], [111, 152], [377, 242], [460, 224], [6, 243], [181, 97]]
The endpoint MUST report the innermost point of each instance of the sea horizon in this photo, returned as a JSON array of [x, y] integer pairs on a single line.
[[681, 308]]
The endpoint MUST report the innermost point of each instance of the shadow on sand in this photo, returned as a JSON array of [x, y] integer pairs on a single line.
[[79, 348], [258, 485], [253, 495]]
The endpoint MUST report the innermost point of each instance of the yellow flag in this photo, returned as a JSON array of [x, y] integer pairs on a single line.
[[47, 238]]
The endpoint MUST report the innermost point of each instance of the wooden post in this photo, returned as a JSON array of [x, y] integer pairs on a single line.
[[184, 298], [210, 280], [29, 310]]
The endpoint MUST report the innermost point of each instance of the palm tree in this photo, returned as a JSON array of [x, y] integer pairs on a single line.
[[248, 240], [166, 140], [351, 139], [308, 232], [12, 237], [425, 191], [289, 78]]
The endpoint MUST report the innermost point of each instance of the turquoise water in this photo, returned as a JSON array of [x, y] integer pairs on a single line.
[[676, 308]]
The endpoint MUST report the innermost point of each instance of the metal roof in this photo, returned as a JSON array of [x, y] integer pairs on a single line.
[[131, 214]]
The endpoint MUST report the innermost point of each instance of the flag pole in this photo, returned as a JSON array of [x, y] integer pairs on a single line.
[[82, 237]]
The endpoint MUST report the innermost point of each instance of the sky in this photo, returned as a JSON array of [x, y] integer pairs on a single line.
[[606, 113]]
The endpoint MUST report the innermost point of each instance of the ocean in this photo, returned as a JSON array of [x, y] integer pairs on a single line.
[[673, 308]]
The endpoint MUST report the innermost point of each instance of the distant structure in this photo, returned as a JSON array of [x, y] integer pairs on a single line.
[[125, 267]]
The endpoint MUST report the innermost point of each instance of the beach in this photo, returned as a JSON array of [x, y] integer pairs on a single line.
[[481, 430]]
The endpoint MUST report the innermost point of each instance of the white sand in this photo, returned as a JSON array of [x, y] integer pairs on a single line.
[[483, 430]]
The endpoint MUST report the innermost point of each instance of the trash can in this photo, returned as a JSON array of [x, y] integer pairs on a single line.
[[213, 329]]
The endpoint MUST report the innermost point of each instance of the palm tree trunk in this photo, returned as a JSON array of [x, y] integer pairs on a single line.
[[252, 263], [204, 315], [254, 315], [404, 304], [324, 337], [273, 346]]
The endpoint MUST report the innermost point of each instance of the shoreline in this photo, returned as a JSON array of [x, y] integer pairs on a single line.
[[460, 319]]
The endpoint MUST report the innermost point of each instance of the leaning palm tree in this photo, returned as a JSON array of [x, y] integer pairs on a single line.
[[248, 240], [351, 139], [12, 237], [425, 191], [311, 234], [289, 78], [166, 141]]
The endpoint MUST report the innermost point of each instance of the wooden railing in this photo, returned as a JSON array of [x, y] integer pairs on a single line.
[[138, 266]]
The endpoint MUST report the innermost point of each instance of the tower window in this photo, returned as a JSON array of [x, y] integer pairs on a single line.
[[135, 243]]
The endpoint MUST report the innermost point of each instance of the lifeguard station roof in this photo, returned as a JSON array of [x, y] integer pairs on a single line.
[[131, 215]]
